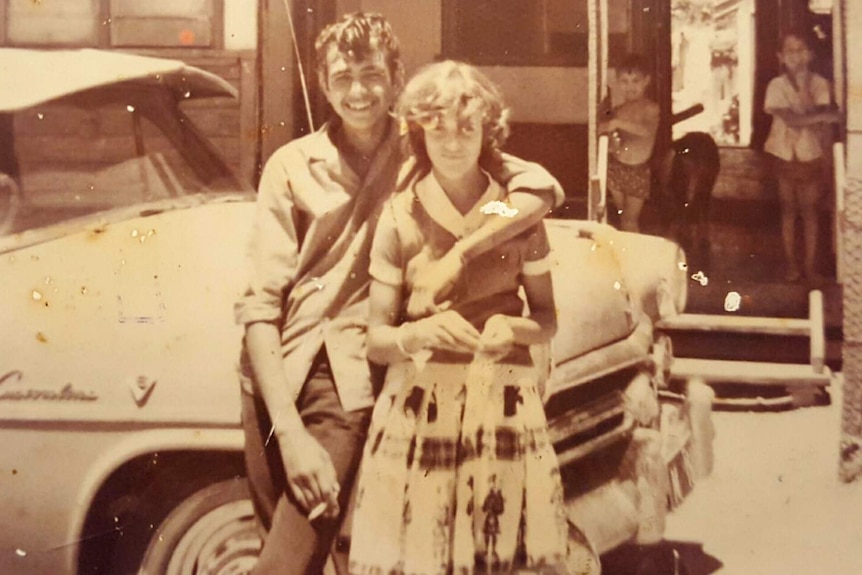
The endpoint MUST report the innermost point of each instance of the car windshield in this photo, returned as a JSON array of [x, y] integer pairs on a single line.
[[61, 161]]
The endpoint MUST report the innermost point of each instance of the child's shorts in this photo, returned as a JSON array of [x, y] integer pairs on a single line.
[[796, 171], [629, 179], [800, 184]]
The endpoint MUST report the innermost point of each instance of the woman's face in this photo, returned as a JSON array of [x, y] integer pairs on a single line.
[[454, 144]]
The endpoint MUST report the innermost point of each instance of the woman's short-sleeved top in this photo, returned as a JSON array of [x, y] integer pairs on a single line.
[[421, 224]]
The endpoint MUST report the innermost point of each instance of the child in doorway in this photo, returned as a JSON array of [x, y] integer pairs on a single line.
[[459, 475], [799, 102], [632, 126]]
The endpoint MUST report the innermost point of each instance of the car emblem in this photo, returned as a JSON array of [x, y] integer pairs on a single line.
[[141, 388]]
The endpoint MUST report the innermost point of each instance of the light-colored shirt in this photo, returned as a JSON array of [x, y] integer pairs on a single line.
[[804, 143], [308, 258], [421, 224], [308, 254]]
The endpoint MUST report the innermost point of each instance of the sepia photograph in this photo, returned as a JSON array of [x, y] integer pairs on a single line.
[[430, 287]]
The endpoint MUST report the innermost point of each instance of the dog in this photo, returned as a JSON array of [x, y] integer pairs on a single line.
[[687, 174]]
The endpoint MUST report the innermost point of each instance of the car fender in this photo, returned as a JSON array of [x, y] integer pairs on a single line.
[[140, 444]]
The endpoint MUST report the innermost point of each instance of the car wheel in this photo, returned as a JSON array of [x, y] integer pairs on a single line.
[[211, 532]]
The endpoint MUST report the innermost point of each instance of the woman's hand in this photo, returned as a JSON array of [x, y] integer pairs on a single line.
[[433, 281], [497, 337], [446, 330]]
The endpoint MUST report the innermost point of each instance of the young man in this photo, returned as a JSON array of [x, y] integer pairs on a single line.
[[307, 385], [633, 128]]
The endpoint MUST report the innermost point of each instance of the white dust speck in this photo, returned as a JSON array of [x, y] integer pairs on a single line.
[[37, 295], [499, 208], [700, 278], [732, 301]]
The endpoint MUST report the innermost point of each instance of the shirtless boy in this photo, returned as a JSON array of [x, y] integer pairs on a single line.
[[633, 126]]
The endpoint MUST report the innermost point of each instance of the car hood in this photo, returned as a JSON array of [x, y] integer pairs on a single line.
[[32, 77], [98, 222]]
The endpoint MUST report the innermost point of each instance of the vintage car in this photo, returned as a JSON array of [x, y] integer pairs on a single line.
[[121, 255]]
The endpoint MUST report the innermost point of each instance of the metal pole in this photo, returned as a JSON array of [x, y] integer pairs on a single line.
[[302, 81]]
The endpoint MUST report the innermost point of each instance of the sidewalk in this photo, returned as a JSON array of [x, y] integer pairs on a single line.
[[774, 504]]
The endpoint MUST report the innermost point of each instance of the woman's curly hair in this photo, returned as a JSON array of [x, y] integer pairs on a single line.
[[449, 84]]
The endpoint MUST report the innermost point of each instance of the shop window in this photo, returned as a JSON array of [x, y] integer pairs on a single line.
[[519, 33], [713, 65], [112, 23], [72, 22], [162, 23]]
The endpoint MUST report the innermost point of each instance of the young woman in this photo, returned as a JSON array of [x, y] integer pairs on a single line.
[[458, 474]]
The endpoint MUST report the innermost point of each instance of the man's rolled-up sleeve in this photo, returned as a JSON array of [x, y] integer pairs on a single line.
[[386, 264], [272, 250], [523, 176]]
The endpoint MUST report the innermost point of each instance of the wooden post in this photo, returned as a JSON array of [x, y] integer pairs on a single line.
[[850, 466], [597, 69], [592, 105], [276, 73]]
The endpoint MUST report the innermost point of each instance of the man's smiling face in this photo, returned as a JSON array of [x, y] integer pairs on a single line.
[[359, 91]]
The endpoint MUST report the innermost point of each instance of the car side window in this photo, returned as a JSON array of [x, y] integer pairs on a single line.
[[74, 161]]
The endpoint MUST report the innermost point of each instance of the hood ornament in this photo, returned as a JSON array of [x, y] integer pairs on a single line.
[[142, 388]]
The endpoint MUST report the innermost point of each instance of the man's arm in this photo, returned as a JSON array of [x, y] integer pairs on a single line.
[[272, 258], [532, 192], [307, 465]]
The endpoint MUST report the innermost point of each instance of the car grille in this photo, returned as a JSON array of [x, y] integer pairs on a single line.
[[589, 417]]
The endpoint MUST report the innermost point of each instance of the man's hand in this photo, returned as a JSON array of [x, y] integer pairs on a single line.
[[310, 473], [445, 330], [432, 283], [497, 337]]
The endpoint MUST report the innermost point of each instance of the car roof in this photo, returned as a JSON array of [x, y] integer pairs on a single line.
[[32, 77]]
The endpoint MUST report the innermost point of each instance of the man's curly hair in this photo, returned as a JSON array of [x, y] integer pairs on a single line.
[[356, 35], [449, 84]]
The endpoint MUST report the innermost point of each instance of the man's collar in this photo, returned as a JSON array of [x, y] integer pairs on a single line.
[[323, 148], [322, 145]]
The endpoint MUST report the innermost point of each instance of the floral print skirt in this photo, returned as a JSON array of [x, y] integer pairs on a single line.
[[458, 475]]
